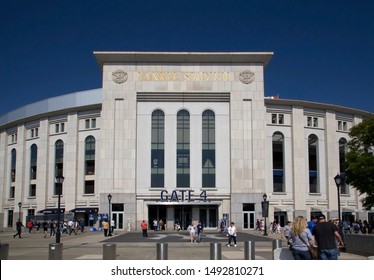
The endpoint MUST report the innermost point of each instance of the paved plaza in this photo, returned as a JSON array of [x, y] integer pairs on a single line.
[[132, 246]]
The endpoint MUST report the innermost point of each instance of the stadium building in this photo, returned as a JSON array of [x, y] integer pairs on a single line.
[[180, 137]]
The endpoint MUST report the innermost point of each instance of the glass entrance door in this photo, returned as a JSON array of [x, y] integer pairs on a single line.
[[118, 220], [183, 216], [249, 220]]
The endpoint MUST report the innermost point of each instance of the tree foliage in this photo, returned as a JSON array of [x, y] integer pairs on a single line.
[[360, 161]]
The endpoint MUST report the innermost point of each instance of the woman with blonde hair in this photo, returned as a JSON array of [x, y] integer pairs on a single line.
[[300, 239]]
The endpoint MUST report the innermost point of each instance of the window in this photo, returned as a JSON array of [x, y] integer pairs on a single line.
[[13, 161], [183, 149], [89, 187], [60, 127], [32, 190], [342, 157], [209, 150], [313, 163], [59, 164], [315, 122], [30, 212], [34, 132], [90, 123], [33, 161], [278, 162], [13, 165], [157, 149], [274, 118], [277, 118], [90, 155], [342, 126], [309, 121], [13, 138]]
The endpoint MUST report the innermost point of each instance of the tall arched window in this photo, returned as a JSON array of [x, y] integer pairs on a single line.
[[278, 162], [33, 169], [342, 152], [183, 149], [89, 155], [13, 164], [158, 149], [313, 163], [89, 159], [59, 164], [33, 161], [209, 149]]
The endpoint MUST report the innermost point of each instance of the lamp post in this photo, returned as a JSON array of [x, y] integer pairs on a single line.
[[19, 210], [110, 218], [59, 181], [265, 211], [338, 181]]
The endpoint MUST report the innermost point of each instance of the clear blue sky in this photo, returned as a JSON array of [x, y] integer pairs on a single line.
[[324, 50]]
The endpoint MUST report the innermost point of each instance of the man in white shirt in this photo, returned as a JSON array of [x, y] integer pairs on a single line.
[[231, 231]]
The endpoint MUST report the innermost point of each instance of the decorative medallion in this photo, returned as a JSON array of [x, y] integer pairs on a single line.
[[246, 77], [119, 76]]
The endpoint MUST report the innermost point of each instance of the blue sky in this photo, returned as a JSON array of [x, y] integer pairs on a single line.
[[324, 50]]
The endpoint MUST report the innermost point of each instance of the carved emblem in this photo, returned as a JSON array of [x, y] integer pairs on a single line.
[[119, 76], [246, 77]]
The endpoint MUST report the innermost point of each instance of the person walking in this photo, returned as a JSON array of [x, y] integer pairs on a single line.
[[286, 232], [192, 230], [200, 231], [112, 226], [325, 235], [45, 229], [144, 227], [52, 228], [105, 226], [19, 227], [231, 231], [300, 239]]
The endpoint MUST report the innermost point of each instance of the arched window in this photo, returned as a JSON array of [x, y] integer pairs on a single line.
[[183, 149], [208, 149], [33, 169], [313, 163], [158, 149], [342, 153], [59, 164], [278, 162], [89, 159], [89, 155], [13, 164], [33, 161]]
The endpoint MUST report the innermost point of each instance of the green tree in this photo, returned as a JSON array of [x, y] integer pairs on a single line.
[[360, 160]]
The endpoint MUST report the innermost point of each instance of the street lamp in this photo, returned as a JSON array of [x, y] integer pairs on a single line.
[[265, 211], [338, 181], [110, 218], [59, 181], [19, 210]]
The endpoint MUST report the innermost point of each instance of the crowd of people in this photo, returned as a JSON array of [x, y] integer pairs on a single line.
[[50, 228]]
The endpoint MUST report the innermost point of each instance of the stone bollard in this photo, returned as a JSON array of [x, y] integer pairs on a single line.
[[249, 250], [109, 251], [371, 258], [4, 251], [162, 251], [276, 244], [55, 251], [215, 251]]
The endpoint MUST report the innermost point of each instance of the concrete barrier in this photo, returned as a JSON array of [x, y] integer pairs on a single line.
[[162, 251], [55, 251], [282, 254], [109, 251], [215, 251], [361, 244], [4, 251]]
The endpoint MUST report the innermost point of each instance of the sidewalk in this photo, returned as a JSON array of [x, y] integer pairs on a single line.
[[131, 246]]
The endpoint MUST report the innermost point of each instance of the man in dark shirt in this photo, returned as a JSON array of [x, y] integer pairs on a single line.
[[200, 230], [325, 234]]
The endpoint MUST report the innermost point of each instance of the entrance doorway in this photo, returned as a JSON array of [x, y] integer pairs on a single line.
[[183, 216], [249, 220], [118, 210], [281, 218], [158, 213], [208, 217]]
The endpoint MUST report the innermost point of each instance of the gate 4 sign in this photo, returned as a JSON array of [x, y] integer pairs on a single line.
[[181, 195]]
